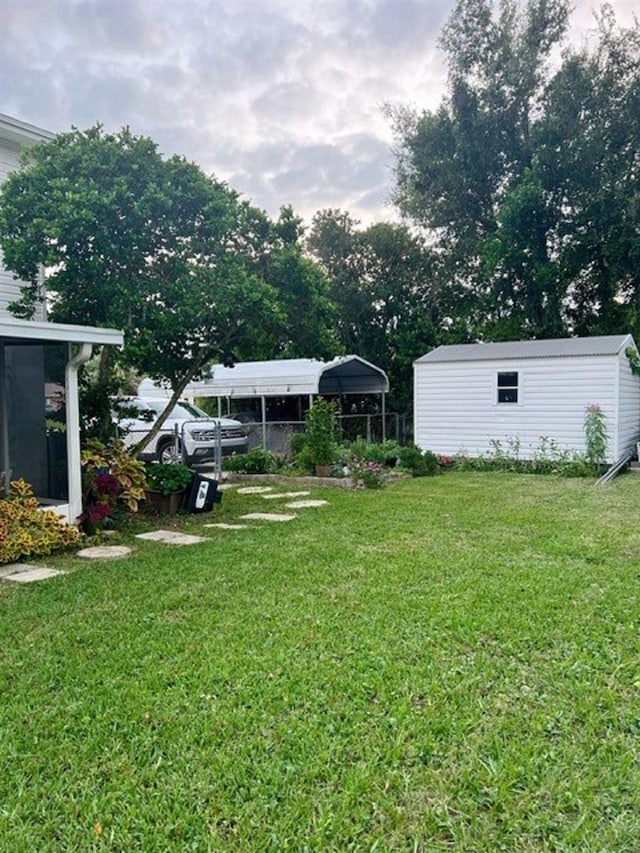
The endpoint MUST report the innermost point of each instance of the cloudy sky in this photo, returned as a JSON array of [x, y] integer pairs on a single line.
[[282, 98]]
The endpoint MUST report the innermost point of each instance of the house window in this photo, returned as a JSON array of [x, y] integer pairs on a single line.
[[508, 387]]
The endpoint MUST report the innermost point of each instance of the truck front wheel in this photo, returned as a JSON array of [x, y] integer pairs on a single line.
[[169, 451]]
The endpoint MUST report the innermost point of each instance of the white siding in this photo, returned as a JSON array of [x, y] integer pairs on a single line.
[[9, 287], [628, 407], [456, 409]]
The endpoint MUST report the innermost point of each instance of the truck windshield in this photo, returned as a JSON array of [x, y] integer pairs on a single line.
[[189, 410], [181, 410]]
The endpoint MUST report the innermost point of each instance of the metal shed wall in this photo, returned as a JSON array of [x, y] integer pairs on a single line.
[[456, 408]]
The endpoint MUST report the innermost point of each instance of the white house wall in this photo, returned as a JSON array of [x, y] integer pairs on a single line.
[[9, 287], [628, 407], [456, 409]]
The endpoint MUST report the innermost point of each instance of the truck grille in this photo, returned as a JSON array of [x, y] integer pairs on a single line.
[[233, 432]]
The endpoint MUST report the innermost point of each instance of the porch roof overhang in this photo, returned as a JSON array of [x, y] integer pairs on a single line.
[[14, 332], [31, 332]]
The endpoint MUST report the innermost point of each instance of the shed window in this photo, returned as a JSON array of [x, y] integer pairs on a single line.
[[508, 387]]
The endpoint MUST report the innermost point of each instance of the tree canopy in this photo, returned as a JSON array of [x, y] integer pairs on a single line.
[[382, 285], [525, 178], [154, 246]]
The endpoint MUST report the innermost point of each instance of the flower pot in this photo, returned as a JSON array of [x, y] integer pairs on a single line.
[[165, 504], [92, 528]]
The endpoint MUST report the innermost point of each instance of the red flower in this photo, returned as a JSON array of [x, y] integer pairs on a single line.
[[106, 485], [98, 512]]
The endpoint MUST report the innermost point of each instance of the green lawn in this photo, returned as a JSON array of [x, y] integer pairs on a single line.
[[451, 664]]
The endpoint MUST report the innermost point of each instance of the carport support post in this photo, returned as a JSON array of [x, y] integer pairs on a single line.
[[263, 405], [384, 418]]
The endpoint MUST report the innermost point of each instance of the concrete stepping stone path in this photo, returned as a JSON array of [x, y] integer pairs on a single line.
[[172, 537], [223, 526], [268, 516], [24, 573], [286, 495], [254, 490], [104, 552], [304, 504]]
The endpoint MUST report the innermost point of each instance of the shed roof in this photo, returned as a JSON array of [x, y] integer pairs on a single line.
[[347, 374], [511, 350]]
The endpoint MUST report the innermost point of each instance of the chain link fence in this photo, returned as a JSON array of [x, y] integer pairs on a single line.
[[277, 435]]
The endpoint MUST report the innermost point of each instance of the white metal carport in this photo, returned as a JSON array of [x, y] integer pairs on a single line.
[[304, 377]]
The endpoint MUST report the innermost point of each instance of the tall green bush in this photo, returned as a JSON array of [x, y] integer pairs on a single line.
[[320, 432], [595, 434], [417, 462], [257, 461]]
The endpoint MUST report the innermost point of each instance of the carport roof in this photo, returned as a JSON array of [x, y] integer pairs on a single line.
[[347, 374]]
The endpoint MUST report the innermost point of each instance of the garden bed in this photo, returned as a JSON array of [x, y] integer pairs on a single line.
[[323, 482]]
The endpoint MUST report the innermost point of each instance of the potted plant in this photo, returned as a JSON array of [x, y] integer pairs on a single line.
[[167, 483], [112, 481], [320, 436]]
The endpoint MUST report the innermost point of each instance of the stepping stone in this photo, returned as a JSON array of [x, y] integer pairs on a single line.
[[104, 552], [172, 537], [28, 574], [268, 516], [304, 504], [254, 490], [14, 568], [222, 487], [224, 526], [286, 495]]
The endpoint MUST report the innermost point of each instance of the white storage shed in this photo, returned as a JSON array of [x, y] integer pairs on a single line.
[[467, 395]]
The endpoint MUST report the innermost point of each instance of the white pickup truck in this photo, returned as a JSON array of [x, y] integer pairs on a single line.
[[186, 424]]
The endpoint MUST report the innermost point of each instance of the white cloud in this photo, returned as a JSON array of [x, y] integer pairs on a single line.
[[282, 99]]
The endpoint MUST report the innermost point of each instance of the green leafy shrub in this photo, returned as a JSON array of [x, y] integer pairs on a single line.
[[595, 434], [26, 530], [257, 461], [300, 453], [128, 477], [384, 453], [320, 433], [546, 458], [417, 462], [168, 477]]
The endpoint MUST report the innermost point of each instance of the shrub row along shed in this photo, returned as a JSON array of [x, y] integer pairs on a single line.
[[467, 395]]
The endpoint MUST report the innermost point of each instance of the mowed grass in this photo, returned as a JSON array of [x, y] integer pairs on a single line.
[[449, 665]]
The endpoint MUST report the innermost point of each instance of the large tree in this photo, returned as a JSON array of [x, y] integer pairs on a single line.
[[526, 175], [309, 315], [588, 165], [156, 247], [382, 284]]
